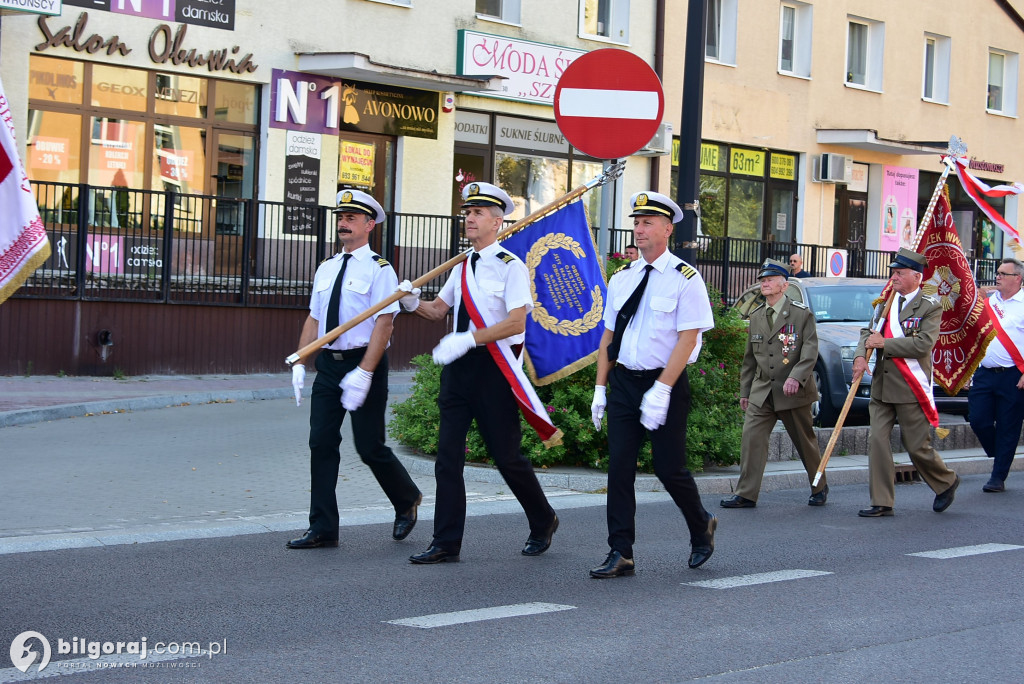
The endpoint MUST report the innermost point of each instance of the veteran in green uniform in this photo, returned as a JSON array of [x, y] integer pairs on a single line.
[[777, 383], [904, 356]]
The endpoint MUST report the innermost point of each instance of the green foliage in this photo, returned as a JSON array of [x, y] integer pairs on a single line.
[[713, 430], [118, 374], [613, 264], [28, 369]]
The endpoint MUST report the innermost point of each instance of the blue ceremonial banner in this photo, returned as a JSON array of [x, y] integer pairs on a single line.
[[564, 329]]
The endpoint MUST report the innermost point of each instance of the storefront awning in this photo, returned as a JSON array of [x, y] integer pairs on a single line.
[[358, 67], [867, 139]]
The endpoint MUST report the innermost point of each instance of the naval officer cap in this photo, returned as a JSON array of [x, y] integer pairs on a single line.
[[771, 267], [907, 258], [649, 203], [486, 195], [358, 202]]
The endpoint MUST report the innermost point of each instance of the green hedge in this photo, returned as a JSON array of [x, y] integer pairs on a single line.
[[713, 431]]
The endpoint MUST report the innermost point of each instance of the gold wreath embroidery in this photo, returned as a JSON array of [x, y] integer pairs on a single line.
[[540, 314]]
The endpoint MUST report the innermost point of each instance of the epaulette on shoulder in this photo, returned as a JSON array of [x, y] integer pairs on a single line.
[[687, 270], [326, 260], [799, 305], [381, 261], [622, 268], [506, 257]]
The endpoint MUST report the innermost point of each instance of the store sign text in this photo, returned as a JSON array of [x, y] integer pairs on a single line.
[[164, 46], [531, 69]]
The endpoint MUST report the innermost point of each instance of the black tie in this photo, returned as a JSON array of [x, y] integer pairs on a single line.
[[462, 325], [335, 304], [625, 315]]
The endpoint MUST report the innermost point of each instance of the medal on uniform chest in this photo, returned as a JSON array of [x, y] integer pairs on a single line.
[[787, 336]]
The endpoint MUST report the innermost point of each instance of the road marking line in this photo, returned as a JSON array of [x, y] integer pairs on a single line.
[[72, 666], [959, 551], [479, 614], [595, 103], [759, 578]]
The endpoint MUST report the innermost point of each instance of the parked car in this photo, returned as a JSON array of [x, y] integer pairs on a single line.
[[841, 306]]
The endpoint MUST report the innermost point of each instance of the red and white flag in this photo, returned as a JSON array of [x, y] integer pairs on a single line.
[[979, 190], [23, 243]]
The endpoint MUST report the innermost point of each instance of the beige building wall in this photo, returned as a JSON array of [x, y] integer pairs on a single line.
[[751, 103]]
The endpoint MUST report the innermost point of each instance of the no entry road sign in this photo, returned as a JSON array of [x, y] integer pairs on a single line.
[[609, 103]]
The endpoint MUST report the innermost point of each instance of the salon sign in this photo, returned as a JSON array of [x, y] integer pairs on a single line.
[[531, 70]]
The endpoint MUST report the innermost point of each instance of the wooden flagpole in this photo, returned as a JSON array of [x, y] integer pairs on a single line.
[[956, 148], [611, 173]]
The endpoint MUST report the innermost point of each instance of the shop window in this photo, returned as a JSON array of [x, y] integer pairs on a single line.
[[746, 204], [712, 205], [605, 19], [531, 181], [55, 80], [721, 31], [865, 43], [235, 102], [795, 30], [53, 146], [119, 88], [502, 10], [1002, 82], [582, 171], [179, 95], [116, 166], [935, 87], [179, 163]]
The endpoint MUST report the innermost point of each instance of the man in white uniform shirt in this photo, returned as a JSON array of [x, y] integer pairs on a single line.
[[472, 383], [996, 399], [352, 374], [658, 308]]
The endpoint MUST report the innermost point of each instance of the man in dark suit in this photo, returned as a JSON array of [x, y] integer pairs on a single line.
[[901, 388], [777, 383]]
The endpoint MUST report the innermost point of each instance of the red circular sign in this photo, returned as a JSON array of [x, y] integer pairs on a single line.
[[609, 103]]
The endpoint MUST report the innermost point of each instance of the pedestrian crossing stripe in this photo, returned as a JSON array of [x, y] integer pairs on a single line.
[[479, 614], [758, 578], [961, 551]]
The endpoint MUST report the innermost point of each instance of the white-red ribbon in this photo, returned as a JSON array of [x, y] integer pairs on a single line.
[[511, 367], [979, 190], [920, 383], [1003, 336]]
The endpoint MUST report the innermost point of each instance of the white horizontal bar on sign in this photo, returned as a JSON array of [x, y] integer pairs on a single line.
[[480, 614], [759, 578], [608, 104], [960, 551]]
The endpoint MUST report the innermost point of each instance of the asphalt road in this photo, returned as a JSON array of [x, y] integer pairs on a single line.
[[865, 611]]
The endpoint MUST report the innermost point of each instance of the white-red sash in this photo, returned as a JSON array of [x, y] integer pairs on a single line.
[[1004, 337], [511, 366], [920, 383], [979, 189]]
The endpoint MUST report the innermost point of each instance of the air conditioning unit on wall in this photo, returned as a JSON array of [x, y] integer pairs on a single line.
[[833, 168], [661, 143]]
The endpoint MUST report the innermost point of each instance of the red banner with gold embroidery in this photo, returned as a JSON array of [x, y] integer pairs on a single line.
[[966, 328]]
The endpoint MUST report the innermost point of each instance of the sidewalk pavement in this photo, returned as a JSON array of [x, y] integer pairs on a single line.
[[247, 440]]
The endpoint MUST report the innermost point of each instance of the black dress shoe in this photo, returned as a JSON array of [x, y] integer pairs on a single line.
[[404, 522], [699, 555], [818, 499], [536, 545], [312, 540], [943, 500], [737, 501], [994, 485], [876, 512], [614, 566], [435, 554]]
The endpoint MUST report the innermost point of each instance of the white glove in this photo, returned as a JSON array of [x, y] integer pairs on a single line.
[[597, 406], [654, 406], [412, 300], [354, 388], [453, 346], [298, 381]]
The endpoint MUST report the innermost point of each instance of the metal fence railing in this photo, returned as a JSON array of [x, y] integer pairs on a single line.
[[112, 243]]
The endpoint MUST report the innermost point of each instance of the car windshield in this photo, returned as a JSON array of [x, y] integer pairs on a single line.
[[842, 303]]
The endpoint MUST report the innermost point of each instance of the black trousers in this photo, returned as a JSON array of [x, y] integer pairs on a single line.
[[996, 409], [625, 436], [325, 418], [473, 387]]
